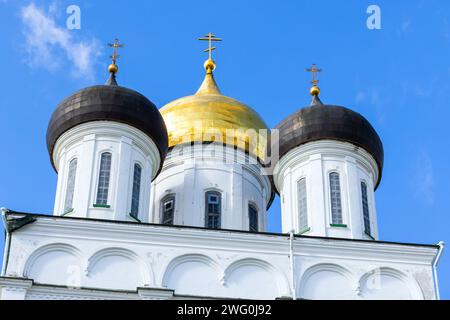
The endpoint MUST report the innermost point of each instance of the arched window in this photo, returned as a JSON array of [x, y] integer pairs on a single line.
[[70, 189], [252, 218], [167, 210], [103, 179], [365, 206], [335, 192], [136, 190], [302, 204], [213, 209]]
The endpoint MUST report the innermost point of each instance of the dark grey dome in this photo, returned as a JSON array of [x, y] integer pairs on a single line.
[[108, 103], [329, 122]]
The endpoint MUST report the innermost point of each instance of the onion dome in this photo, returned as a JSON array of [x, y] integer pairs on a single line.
[[329, 122], [194, 118], [109, 102]]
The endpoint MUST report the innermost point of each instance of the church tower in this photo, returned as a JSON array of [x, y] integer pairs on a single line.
[[331, 161], [212, 175], [106, 143]]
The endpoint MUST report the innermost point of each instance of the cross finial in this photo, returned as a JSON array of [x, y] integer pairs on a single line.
[[116, 45], [210, 38], [113, 68], [314, 72]]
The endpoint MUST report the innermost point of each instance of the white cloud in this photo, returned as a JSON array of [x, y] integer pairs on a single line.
[[405, 25], [424, 182], [370, 95], [360, 97], [49, 46]]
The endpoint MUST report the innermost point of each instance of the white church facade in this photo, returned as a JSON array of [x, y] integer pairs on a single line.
[[172, 204]]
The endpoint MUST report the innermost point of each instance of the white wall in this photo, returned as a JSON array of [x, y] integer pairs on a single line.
[[86, 143], [190, 171], [214, 263], [315, 161]]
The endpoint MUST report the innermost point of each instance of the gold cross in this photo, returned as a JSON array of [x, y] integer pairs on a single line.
[[210, 38], [115, 45], [314, 71]]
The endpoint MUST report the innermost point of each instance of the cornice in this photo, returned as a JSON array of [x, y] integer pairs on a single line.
[[226, 240], [325, 148], [201, 152], [105, 129]]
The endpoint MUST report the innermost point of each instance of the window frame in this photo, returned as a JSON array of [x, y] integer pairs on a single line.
[[169, 197], [133, 214], [339, 222], [97, 204], [252, 206], [66, 209], [209, 214], [299, 213], [367, 221]]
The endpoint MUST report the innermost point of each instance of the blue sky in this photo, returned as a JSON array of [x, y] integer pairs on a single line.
[[397, 77]]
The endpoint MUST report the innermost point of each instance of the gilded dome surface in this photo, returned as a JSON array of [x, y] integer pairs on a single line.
[[207, 114]]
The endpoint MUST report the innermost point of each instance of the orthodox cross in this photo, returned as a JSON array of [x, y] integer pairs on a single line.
[[116, 45], [210, 38], [314, 72]]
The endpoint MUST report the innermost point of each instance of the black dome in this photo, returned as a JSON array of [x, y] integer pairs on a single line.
[[328, 122], [108, 103]]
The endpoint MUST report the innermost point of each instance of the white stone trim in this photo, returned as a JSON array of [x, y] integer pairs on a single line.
[[159, 249], [93, 129], [14, 288], [325, 147], [70, 229], [174, 158]]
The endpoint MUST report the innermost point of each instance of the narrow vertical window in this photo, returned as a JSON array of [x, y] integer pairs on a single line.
[[336, 206], [302, 204], [168, 209], [365, 206], [213, 209], [103, 179], [136, 191], [70, 189], [252, 218]]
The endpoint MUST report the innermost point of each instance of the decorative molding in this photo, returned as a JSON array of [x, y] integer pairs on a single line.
[[190, 258], [185, 237], [196, 152], [146, 270], [99, 130], [303, 153], [308, 273], [224, 251], [146, 293], [52, 247], [280, 277], [15, 284], [413, 286]]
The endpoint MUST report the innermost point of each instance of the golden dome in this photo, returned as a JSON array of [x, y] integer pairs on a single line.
[[208, 114]]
